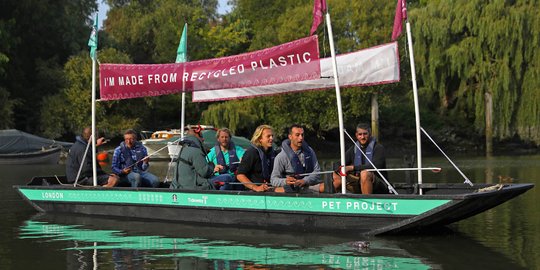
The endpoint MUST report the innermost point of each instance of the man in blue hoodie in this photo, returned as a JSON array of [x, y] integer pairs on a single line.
[[130, 162]]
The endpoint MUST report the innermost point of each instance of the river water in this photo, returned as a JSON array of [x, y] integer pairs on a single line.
[[506, 237]]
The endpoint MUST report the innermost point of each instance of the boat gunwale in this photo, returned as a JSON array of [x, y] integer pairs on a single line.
[[460, 196]]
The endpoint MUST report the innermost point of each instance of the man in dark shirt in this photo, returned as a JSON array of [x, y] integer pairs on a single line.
[[76, 159], [256, 165], [356, 165]]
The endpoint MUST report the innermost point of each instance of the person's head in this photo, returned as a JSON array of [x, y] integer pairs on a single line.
[[194, 131], [263, 136], [296, 136], [223, 137], [86, 133], [130, 137], [363, 133]]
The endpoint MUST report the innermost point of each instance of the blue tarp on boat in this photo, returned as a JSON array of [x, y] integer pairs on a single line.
[[14, 141]]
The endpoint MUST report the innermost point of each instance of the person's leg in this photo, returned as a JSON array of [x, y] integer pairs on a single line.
[[366, 179], [149, 180], [223, 180], [102, 179], [336, 182], [290, 189], [379, 186], [87, 181], [112, 180], [134, 179]]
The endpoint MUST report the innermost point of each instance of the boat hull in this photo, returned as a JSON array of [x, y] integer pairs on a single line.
[[46, 156], [350, 213]]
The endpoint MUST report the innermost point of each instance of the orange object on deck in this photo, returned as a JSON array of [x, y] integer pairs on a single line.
[[103, 157]]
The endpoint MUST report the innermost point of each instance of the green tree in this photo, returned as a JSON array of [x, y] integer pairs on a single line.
[[149, 31], [470, 48], [37, 38], [6, 104], [356, 25], [70, 110]]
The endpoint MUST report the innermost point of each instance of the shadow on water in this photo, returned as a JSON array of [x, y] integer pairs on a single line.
[[121, 244]]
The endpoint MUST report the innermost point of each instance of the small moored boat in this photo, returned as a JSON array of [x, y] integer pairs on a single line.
[[21, 148], [158, 140]]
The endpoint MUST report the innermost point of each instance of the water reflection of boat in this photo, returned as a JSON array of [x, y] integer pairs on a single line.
[[239, 247], [19, 147], [214, 246]]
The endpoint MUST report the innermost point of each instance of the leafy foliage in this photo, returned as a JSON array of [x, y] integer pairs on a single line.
[[70, 110], [37, 37], [463, 51], [471, 48]]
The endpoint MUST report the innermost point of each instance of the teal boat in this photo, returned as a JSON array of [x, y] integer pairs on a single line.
[[375, 214], [415, 207]]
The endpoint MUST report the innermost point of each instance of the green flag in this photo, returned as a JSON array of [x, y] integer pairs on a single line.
[[92, 42], [181, 53]]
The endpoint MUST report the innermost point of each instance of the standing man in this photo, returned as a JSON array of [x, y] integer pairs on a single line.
[[192, 169], [296, 158], [76, 159], [226, 156], [356, 165], [130, 162], [256, 165]]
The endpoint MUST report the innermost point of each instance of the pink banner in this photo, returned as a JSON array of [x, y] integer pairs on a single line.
[[371, 66], [289, 62]]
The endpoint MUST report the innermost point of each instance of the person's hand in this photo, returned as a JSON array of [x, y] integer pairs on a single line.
[[146, 159], [260, 188], [300, 183], [218, 168], [100, 141], [126, 170], [290, 180]]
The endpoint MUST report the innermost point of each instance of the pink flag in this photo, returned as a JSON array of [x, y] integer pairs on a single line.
[[319, 7], [401, 15]]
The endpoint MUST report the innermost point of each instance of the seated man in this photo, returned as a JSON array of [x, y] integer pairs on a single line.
[[192, 169], [356, 165], [256, 165], [226, 155], [130, 162], [296, 158], [76, 157]]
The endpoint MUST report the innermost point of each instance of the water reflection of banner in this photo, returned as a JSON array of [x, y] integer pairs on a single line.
[[289, 62], [376, 65]]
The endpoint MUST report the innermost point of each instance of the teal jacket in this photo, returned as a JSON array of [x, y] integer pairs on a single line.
[[192, 169]]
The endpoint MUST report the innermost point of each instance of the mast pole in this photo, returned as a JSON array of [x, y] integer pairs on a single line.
[[94, 165], [183, 42], [183, 114], [338, 100], [416, 108]]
